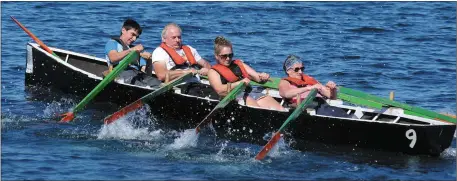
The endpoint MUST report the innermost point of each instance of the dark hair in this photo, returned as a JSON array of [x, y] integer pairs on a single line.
[[220, 42], [132, 24]]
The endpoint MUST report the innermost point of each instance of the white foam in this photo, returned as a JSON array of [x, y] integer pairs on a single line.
[[448, 153], [58, 107], [123, 129], [219, 156], [186, 139]]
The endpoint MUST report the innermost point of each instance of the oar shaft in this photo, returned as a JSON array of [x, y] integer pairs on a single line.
[[388, 102], [224, 102], [34, 37], [300, 109], [124, 63], [140, 102]]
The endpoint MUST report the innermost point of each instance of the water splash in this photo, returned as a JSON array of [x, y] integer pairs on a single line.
[[135, 125], [448, 153], [219, 157], [123, 129], [56, 108], [186, 139], [279, 148]]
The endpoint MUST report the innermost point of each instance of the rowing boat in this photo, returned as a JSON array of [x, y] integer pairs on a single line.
[[396, 129]]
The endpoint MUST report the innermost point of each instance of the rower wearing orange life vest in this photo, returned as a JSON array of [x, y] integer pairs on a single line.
[[228, 73], [297, 82], [174, 58]]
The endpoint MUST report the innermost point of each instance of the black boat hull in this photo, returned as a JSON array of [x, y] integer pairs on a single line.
[[235, 122]]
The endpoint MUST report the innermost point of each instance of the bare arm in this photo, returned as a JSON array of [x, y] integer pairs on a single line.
[[115, 56], [205, 64], [325, 91], [255, 76], [331, 87], [222, 89], [161, 71], [288, 92], [205, 67], [146, 55]]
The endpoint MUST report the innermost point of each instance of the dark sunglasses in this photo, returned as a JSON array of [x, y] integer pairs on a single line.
[[299, 68], [230, 55]]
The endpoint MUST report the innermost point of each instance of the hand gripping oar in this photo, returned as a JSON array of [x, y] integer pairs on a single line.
[[110, 77], [231, 96], [300, 108], [140, 102], [46, 48]]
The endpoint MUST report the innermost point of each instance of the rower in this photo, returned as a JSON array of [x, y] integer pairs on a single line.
[[119, 47], [228, 73], [172, 59], [299, 83]]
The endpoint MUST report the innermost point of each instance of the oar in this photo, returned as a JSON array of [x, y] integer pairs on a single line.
[[300, 108], [110, 77], [140, 102], [35, 38], [413, 110], [231, 96]]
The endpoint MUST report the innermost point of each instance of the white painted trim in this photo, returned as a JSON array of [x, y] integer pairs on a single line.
[[29, 68]]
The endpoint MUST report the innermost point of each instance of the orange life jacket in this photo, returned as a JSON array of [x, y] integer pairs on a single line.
[[178, 59], [304, 81], [228, 75]]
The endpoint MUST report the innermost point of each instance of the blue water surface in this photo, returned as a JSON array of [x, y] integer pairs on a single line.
[[376, 47]]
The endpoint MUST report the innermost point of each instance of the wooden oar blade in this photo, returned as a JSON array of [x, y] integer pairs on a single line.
[[300, 109], [224, 102], [140, 102], [266, 149], [67, 117], [124, 111]]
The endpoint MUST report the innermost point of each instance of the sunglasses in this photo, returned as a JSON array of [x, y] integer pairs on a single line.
[[224, 56], [299, 68]]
